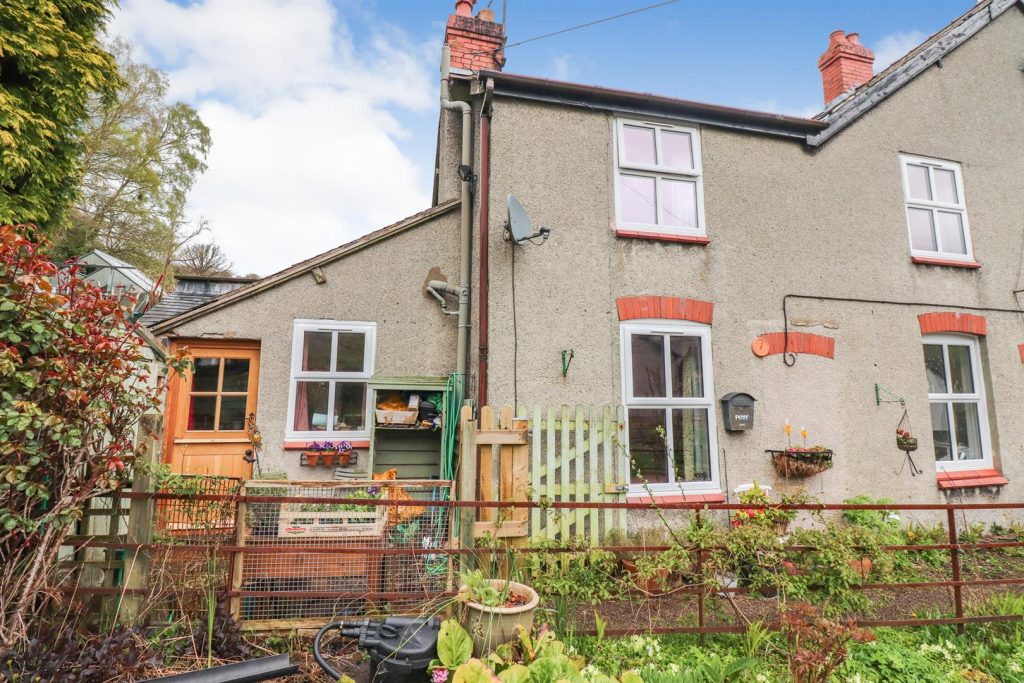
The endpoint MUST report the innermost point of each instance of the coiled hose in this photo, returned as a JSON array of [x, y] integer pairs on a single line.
[[350, 631]]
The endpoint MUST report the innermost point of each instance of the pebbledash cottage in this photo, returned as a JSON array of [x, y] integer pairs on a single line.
[[849, 274]]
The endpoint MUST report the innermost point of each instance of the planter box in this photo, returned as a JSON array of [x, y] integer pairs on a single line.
[[801, 464], [297, 523], [396, 417]]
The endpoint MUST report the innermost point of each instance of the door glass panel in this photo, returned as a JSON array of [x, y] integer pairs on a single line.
[[201, 411], [676, 149], [687, 374], [691, 445], [940, 432], [205, 375], [945, 186], [236, 374], [310, 406], [960, 369], [636, 195], [350, 406], [639, 143], [678, 203], [968, 431], [316, 351], [922, 236], [350, 351], [935, 368], [951, 233], [647, 352], [917, 177], [232, 414], [647, 448]]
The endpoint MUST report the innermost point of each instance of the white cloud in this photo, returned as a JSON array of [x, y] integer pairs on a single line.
[[561, 66], [303, 119], [895, 45]]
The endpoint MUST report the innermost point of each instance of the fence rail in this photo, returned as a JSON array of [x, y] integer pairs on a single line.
[[276, 581]]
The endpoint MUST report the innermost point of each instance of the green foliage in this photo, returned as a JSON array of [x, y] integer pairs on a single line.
[[74, 384], [714, 670], [816, 646], [141, 156], [483, 591], [887, 662], [830, 572], [585, 575], [51, 67], [454, 646]]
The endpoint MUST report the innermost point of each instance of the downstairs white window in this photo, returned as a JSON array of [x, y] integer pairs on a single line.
[[332, 362], [670, 417], [956, 394]]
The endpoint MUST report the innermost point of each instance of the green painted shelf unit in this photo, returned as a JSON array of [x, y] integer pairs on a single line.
[[415, 452]]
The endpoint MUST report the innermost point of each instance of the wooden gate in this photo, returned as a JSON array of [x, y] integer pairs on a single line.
[[555, 454]]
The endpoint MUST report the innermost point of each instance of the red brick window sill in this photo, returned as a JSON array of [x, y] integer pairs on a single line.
[[663, 237], [928, 261], [677, 498], [303, 445], [968, 479]]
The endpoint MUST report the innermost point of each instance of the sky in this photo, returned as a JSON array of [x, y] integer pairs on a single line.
[[324, 113]]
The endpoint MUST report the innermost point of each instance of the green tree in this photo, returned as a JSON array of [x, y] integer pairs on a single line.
[[52, 66], [141, 157]]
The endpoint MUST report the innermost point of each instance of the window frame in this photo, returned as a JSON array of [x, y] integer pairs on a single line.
[[934, 206], [659, 172], [979, 397], [703, 332], [296, 374]]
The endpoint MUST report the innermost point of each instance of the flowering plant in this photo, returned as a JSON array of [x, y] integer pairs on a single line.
[[329, 447], [764, 514]]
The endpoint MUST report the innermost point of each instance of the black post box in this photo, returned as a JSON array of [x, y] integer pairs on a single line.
[[738, 411]]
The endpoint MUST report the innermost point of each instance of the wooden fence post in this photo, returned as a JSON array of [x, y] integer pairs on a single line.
[[954, 556], [141, 518], [238, 557], [467, 486]]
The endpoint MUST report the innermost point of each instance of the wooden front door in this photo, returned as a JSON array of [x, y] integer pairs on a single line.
[[207, 409]]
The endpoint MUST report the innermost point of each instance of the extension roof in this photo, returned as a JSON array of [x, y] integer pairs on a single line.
[[303, 267]]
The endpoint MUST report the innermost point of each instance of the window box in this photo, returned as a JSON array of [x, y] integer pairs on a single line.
[[795, 462]]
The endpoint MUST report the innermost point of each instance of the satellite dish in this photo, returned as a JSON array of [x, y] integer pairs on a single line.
[[519, 226]]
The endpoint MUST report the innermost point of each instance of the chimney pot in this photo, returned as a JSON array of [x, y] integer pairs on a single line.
[[464, 8], [485, 14], [845, 65], [475, 42]]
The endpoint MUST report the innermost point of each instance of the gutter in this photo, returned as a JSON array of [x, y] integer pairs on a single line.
[[647, 104], [466, 174], [483, 294]]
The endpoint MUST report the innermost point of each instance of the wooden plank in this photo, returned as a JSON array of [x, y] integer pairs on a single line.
[[486, 457], [607, 472], [594, 516], [520, 479], [535, 453], [503, 529], [623, 458], [501, 437], [563, 478], [581, 453], [467, 485], [549, 479], [238, 559]]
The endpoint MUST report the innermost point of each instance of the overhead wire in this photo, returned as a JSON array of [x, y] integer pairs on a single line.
[[576, 27]]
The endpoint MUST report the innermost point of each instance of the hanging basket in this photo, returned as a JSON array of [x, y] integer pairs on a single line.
[[801, 463], [906, 443]]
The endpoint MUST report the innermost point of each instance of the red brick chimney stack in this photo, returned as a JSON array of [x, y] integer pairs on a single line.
[[845, 64], [476, 42]]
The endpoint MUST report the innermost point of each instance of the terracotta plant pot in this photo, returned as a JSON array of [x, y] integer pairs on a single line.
[[344, 458], [862, 566], [310, 459], [656, 584], [492, 626], [792, 569]]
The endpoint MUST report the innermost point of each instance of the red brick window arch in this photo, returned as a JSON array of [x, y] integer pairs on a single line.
[[665, 307]]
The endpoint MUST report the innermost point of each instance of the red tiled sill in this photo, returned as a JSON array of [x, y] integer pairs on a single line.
[[303, 445], [663, 237], [677, 498], [968, 479], [927, 261]]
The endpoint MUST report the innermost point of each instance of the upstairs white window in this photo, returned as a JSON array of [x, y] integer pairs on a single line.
[[658, 184], [956, 393], [936, 210], [667, 390], [332, 363]]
